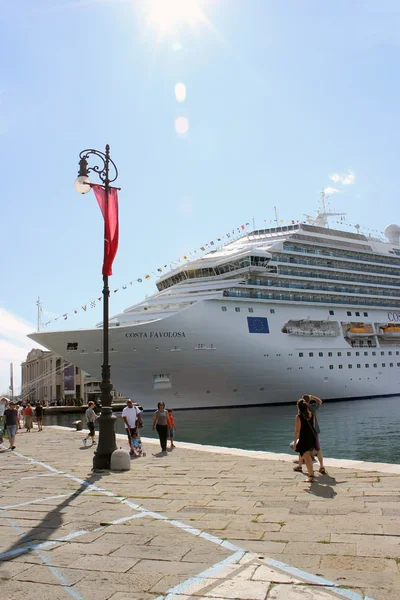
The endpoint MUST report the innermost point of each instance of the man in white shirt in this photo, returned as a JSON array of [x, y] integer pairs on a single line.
[[130, 416]]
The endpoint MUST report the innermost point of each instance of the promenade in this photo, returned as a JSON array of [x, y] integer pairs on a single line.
[[201, 523]]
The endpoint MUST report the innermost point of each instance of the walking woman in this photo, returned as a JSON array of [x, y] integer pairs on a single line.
[[28, 417], [160, 422], [306, 436]]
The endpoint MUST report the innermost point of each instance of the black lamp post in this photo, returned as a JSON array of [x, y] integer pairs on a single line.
[[107, 444]]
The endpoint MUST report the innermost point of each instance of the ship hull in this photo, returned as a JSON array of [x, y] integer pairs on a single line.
[[206, 357]]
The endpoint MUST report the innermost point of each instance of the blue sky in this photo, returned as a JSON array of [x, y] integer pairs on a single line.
[[280, 96]]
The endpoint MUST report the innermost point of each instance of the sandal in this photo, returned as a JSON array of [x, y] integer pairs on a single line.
[[310, 479], [322, 470], [298, 469]]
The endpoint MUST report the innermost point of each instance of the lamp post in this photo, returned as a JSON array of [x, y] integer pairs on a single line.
[[107, 444]]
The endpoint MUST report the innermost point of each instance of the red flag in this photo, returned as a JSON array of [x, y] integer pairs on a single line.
[[110, 215]]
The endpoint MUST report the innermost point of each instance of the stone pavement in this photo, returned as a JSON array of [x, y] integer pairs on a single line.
[[202, 522]]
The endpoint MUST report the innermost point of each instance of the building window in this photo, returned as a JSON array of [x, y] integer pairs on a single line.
[[348, 313], [76, 370], [311, 354], [340, 366], [357, 314], [320, 354], [329, 353], [272, 311], [331, 312], [237, 309], [331, 366], [339, 354], [223, 308], [365, 314], [251, 310]]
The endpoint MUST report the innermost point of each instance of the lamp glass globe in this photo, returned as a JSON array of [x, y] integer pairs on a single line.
[[82, 184]]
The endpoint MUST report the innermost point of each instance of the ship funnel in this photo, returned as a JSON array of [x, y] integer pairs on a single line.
[[392, 232]]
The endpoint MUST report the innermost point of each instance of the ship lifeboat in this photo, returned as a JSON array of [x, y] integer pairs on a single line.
[[390, 331], [359, 330]]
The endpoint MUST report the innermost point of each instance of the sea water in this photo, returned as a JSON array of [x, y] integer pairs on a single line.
[[351, 429]]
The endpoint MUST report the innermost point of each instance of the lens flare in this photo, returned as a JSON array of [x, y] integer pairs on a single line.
[[181, 125], [180, 92], [167, 15]]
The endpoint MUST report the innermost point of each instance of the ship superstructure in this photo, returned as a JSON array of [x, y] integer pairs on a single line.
[[274, 314]]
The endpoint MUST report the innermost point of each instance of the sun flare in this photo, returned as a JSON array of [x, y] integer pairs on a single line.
[[167, 15]]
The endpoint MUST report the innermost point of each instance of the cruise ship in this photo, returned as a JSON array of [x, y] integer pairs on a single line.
[[276, 313]]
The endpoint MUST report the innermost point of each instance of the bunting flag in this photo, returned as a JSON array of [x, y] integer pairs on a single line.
[[147, 277], [65, 316], [93, 304], [110, 214], [84, 306]]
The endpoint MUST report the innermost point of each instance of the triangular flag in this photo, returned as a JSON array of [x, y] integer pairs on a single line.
[[84, 306]]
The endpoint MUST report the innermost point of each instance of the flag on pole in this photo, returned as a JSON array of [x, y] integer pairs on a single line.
[[110, 215]]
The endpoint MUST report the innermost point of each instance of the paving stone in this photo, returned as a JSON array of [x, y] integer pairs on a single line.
[[22, 590], [295, 592], [104, 563], [240, 590], [42, 574]]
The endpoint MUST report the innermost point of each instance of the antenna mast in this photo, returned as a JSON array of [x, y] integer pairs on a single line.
[[39, 314], [276, 216]]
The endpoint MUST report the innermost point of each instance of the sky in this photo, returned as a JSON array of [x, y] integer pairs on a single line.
[[216, 111]]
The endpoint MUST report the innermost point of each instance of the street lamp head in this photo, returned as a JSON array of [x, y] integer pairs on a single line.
[[82, 184]]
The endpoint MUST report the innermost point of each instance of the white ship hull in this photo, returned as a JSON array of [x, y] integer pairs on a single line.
[[203, 357]]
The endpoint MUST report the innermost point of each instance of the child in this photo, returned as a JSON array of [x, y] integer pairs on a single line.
[[171, 426], [136, 445]]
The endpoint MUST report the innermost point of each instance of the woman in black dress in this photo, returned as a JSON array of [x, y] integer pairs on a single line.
[[306, 436]]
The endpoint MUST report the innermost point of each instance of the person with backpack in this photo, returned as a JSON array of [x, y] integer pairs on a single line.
[[91, 418]]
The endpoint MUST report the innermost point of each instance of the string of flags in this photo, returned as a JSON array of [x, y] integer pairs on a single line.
[[231, 235]]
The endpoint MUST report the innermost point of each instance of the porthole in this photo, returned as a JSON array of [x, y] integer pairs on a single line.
[[261, 389], [235, 390]]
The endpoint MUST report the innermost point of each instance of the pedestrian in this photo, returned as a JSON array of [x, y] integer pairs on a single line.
[[171, 426], [39, 415], [305, 436], [91, 418], [160, 422], [28, 417], [314, 403], [130, 416], [10, 415]]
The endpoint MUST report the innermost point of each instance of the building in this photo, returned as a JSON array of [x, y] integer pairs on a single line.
[[50, 378]]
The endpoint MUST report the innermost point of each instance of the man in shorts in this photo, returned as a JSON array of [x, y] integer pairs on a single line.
[[11, 417], [91, 417], [130, 416]]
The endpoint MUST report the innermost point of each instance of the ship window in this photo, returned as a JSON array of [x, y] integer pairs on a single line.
[[383, 364], [237, 309], [365, 353], [357, 314], [331, 312], [251, 310], [374, 353], [348, 313], [365, 314], [223, 308], [350, 366], [340, 366], [331, 366], [301, 355], [272, 311], [320, 354], [390, 364], [311, 354], [367, 366], [390, 353], [398, 364], [339, 354], [382, 354], [329, 353], [357, 354], [349, 354], [397, 353], [375, 365], [358, 366]]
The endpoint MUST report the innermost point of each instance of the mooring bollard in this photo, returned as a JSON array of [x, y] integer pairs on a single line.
[[120, 460], [78, 425]]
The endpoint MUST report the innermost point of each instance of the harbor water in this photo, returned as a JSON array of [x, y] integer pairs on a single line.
[[359, 430]]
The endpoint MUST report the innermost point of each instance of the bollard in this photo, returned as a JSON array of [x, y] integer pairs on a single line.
[[78, 425], [120, 460]]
